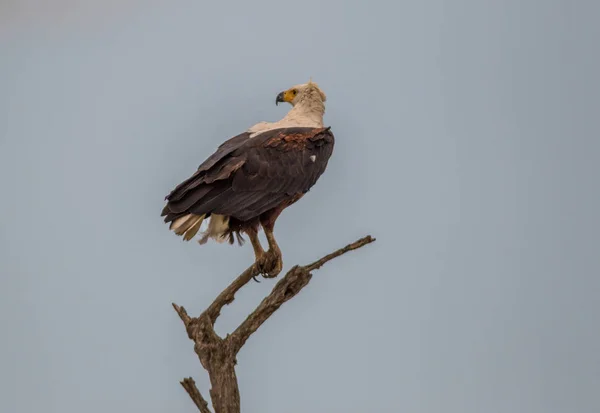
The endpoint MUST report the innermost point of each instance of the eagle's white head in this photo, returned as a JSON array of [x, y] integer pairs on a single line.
[[304, 93], [308, 108]]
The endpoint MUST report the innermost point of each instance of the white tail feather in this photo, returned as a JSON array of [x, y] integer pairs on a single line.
[[217, 229], [187, 225]]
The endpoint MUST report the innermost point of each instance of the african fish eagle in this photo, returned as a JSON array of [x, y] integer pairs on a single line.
[[254, 176]]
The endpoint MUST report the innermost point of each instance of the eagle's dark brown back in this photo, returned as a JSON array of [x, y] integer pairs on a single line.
[[248, 176]]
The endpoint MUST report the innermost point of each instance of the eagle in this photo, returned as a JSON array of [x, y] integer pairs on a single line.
[[252, 177]]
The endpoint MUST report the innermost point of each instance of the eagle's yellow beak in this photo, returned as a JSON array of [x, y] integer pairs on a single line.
[[287, 96]]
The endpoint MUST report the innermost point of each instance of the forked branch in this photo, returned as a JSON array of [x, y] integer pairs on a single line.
[[218, 355], [287, 288]]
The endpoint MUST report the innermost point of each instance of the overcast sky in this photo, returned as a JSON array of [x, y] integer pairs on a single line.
[[467, 143]]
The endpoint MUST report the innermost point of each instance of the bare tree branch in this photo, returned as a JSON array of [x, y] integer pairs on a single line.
[[190, 387], [355, 245], [228, 294], [218, 355], [185, 318], [287, 288]]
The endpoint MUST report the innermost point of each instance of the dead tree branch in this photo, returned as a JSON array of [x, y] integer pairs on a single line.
[[190, 386], [218, 355]]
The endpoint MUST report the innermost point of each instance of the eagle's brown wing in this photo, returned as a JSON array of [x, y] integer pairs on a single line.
[[248, 176], [222, 151]]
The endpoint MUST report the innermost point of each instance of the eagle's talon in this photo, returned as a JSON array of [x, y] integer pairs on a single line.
[[270, 264], [275, 268]]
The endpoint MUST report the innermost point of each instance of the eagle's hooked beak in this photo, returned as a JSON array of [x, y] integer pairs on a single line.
[[279, 98]]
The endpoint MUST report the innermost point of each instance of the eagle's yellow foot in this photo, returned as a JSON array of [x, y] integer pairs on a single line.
[[270, 264], [259, 252]]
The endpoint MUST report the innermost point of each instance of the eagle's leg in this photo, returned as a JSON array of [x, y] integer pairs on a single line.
[[272, 260], [258, 249], [259, 252]]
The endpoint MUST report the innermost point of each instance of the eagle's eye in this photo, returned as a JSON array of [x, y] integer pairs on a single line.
[[294, 92]]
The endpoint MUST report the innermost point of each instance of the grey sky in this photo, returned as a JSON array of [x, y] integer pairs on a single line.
[[467, 143]]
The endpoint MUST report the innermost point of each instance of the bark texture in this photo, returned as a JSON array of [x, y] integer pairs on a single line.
[[218, 355]]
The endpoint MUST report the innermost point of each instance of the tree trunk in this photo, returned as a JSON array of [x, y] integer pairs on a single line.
[[224, 390]]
